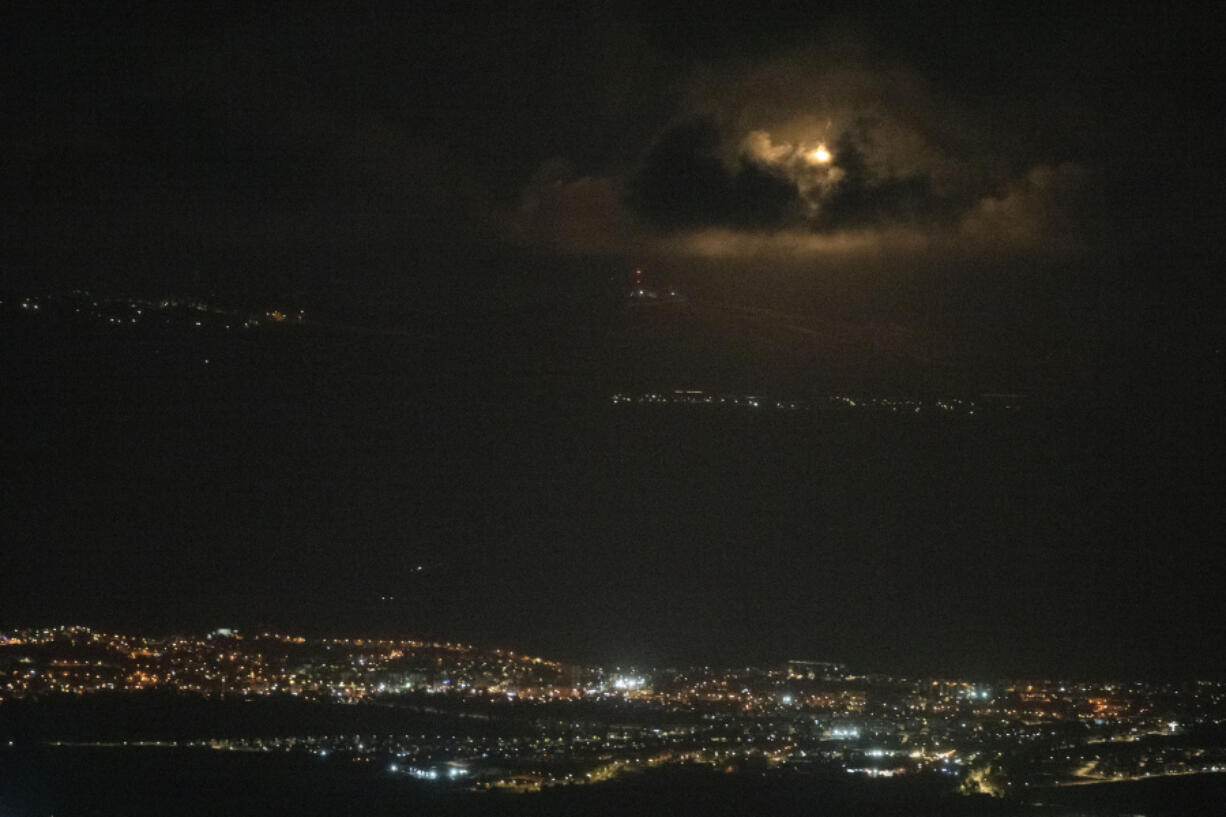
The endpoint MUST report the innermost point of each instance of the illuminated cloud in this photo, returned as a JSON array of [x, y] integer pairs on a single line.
[[785, 245], [685, 181], [807, 156]]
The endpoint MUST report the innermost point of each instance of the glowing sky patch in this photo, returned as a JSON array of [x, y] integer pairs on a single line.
[[819, 155]]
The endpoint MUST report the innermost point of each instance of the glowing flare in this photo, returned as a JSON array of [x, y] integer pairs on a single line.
[[820, 155]]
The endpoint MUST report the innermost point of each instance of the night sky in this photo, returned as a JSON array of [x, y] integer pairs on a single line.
[[889, 200]]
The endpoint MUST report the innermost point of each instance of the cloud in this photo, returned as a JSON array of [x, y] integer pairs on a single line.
[[685, 183], [562, 212], [793, 244], [812, 154], [1033, 211]]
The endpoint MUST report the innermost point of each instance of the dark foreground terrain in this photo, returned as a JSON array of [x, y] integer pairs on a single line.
[[199, 782]]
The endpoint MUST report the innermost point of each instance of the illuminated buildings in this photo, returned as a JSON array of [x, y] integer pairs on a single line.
[[801, 717]]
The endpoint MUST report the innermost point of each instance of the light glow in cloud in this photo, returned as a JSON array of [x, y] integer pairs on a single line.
[[759, 165], [819, 155]]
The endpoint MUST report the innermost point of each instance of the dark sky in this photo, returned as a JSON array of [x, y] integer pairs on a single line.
[[965, 197], [391, 149]]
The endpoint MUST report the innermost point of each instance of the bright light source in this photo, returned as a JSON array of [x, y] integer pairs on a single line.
[[820, 155]]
